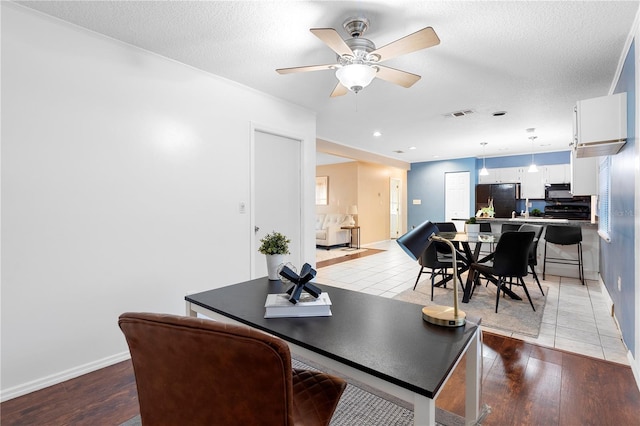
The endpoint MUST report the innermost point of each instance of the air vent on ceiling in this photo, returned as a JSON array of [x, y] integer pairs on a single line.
[[460, 113]]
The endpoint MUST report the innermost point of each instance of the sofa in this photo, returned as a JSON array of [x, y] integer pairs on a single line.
[[328, 232]]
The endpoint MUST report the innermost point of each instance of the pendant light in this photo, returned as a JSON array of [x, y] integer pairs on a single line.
[[532, 168], [484, 171]]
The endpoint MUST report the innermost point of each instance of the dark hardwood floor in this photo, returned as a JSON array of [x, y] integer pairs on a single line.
[[524, 384], [352, 256]]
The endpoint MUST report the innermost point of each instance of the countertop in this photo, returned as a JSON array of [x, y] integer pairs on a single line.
[[539, 220]]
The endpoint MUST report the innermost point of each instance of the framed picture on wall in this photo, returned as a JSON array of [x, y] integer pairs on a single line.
[[322, 190]]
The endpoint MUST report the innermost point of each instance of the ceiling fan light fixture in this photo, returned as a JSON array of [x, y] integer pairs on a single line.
[[355, 77]]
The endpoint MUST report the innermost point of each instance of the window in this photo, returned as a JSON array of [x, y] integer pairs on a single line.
[[604, 199], [322, 190]]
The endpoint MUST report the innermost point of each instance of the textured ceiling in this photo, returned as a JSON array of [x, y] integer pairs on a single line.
[[531, 59]]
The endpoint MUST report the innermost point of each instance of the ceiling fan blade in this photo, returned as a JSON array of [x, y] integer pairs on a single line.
[[392, 75], [306, 69], [422, 39], [331, 38], [339, 90]]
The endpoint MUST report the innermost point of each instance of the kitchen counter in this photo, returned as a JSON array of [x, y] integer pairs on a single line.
[[540, 221], [590, 245]]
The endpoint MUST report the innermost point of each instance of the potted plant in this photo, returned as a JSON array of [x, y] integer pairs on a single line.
[[472, 227], [274, 246], [536, 213]]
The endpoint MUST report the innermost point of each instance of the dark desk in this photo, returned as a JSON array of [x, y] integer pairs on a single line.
[[378, 341]]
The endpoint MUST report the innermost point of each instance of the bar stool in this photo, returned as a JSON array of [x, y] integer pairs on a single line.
[[564, 236], [510, 227]]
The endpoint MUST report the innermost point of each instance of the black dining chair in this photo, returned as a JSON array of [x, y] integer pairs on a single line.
[[445, 249], [510, 260], [486, 227], [563, 235], [439, 264], [438, 258], [533, 252]]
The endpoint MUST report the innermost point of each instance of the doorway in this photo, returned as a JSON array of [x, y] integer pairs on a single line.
[[395, 226], [457, 202], [276, 196]]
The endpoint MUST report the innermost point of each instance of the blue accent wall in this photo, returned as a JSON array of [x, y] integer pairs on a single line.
[[542, 159], [425, 182], [617, 257]]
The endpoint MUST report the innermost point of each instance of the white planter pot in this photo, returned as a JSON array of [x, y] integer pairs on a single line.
[[273, 261], [472, 229]]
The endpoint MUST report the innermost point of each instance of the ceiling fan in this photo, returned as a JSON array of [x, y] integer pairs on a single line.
[[358, 59]]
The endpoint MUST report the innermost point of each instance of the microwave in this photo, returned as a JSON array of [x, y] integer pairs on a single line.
[[557, 191]]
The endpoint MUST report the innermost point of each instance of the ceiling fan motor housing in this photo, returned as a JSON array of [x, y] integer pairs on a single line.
[[356, 26], [361, 48]]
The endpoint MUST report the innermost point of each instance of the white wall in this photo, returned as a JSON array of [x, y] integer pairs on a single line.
[[122, 173]]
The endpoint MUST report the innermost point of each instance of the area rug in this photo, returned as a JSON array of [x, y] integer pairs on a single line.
[[361, 405], [515, 316]]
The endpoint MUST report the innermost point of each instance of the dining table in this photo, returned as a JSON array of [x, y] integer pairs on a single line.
[[469, 256]]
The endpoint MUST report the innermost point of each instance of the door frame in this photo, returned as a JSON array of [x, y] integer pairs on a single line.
[[257, 127], [399, 213]]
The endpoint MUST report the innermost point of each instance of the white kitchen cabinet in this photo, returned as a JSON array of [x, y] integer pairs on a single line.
[[532, 185], [600, 125], [584, 175], [511, 175], [502, 175], [557, 173], [490, 178]]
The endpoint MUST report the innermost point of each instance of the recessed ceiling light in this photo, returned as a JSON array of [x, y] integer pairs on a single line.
[[398, 151], [499, 113], [412, 147], [377, 134]]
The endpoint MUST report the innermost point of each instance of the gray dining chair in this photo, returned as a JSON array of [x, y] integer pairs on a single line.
[[533, 252]]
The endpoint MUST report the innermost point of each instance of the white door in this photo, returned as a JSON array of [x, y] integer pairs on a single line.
[[276, 195], [457, 204], [394, 206]]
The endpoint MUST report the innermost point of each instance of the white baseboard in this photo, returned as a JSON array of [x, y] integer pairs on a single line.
[[54, 379], [632, 362], [605, 291], [634, 368]]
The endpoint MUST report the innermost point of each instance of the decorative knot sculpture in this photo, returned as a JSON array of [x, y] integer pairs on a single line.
[[301, 282]]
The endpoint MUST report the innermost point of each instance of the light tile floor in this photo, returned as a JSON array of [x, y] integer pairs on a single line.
[[576, 317]]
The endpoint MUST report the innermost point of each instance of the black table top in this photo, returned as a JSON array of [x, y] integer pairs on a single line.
[[383, 337]]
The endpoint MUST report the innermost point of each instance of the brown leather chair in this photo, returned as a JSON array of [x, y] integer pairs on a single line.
[[201, 372]]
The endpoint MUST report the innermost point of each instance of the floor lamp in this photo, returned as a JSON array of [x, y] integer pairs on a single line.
[[414, 243]]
